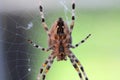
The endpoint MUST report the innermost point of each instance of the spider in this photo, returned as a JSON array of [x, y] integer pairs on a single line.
[[60, 42]]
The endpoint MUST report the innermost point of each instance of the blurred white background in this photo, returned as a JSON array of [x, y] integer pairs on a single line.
[[18, 5]]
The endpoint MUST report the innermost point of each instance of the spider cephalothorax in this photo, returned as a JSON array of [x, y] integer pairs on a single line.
[[60, 42], [60, 26]]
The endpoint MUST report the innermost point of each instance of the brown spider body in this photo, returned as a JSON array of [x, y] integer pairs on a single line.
[[60, 38]]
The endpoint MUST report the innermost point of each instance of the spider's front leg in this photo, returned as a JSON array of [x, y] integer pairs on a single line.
[[77, 65], [45, 67], [73, 16], [43, 18]]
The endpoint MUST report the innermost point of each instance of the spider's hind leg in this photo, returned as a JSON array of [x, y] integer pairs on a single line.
[[81, 68], [77, 65], [45, 67], [42, 69]]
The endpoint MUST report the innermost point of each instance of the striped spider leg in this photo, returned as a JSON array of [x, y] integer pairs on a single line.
[[75, 62], [45, 67], [73, 16], [40, 47], [43, 18], [45, 28], [77, 65], [78, 44]]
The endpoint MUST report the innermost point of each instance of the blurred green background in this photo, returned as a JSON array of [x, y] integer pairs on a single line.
[[100, 54]]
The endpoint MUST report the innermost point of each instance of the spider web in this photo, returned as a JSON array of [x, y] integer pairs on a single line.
[[16, 55], [17, 59]]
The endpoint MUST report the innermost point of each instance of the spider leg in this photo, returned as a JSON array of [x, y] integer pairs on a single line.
[[82, 41], [79, 64], [43, 18], [39, 47], [41, 69], [75, 66], [45, 67], [73, 16]]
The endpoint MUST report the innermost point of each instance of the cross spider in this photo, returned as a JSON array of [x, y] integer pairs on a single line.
[[60, 42]]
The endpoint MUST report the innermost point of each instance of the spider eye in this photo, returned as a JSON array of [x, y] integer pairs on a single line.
[[60, 30], [60, 26]]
